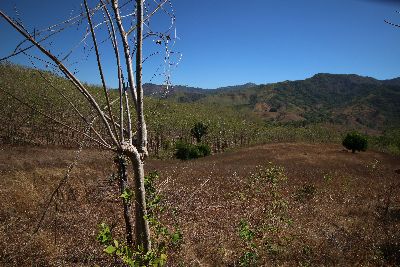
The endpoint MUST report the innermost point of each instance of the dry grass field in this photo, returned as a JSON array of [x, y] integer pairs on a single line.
[[334, 208]]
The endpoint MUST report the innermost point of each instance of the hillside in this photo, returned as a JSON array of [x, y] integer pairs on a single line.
[[186, 94], [167, 121], [350, 101], [334, 209], [166, 133], [336, 98], [235, 116]]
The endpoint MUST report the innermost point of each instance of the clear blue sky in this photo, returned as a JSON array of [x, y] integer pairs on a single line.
[[261, 41]]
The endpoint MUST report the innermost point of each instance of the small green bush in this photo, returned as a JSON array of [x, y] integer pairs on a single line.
[[355, 142], [204, 150], [194, 152], [185, 151]]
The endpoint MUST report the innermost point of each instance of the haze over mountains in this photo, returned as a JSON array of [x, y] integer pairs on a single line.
[[335, 98]]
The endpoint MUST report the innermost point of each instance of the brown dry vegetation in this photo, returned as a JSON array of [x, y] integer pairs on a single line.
[[351, 217]]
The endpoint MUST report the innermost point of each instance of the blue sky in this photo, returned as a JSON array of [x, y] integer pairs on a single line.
[[261, 41]]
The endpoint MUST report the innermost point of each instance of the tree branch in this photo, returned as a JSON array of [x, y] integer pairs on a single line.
[[101, 74], [73, 106], [67, 73], [390, 23], [112, 34], [57, 121], [142, 131], [148, 17], [125, 43]]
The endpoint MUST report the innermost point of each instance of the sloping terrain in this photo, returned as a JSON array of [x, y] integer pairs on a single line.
[[327, 207], [335, 98], [167, 121], [351, 101]]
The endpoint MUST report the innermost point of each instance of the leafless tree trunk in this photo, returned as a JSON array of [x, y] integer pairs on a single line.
[[142, 225], [120, 136], [123, 187]]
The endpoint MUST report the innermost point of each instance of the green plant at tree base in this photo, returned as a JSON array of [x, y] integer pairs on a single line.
[[355, 142], [129, 256], [127, 195], [162, 239]]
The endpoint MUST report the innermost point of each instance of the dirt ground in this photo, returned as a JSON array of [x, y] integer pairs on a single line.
[[334, 209]]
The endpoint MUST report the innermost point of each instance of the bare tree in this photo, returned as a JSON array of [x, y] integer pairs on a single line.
[[123, 133]]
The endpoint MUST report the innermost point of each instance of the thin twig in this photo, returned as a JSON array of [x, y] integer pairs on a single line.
[[111, 31], [390, 23], [147, 17], [62, 182], [103, 82], [127, 53], [55, 120], [66, 72]]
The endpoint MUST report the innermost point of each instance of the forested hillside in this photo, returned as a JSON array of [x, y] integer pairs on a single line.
[[341, 99], [36, 108]]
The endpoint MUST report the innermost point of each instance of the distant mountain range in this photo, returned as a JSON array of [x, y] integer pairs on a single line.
[[344, 99], [154, 89], [336, 98], [190, 93]]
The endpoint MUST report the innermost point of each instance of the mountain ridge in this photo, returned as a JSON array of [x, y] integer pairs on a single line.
[[355, 101], [150, 87], [360, 101]]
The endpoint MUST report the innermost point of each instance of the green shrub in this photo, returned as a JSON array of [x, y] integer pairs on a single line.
[[355, 142], [204, 150], [194, 152], [185, 151]]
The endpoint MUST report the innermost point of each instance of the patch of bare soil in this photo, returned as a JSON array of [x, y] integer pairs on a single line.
[[334, 209]]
